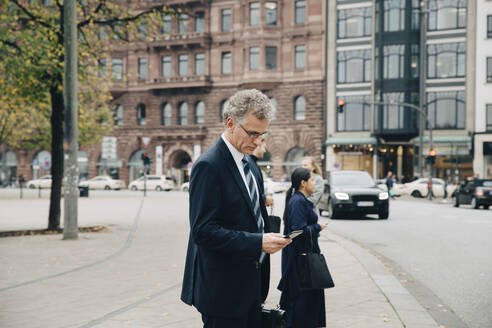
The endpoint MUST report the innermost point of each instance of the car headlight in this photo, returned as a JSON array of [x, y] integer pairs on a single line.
[[383, 195], [341, 196], [479, 193]]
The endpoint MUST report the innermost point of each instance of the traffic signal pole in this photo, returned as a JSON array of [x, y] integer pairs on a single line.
[[71, 176]]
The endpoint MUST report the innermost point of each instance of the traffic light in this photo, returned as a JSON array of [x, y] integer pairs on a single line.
[[146, 159], [341, 103], [432, 156]]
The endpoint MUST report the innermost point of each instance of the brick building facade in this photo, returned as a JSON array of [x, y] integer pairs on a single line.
[[169, 89]]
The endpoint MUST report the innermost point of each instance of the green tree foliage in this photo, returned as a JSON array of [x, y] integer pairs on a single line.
[[31, 71]]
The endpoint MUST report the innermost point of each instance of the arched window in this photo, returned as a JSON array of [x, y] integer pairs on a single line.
[[200, 113], [118, 115], [299, 108], [166, 114], [141, 114], [183, 114], [223, 105], [275, 106]]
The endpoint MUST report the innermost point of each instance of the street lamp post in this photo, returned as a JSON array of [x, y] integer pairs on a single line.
[[422, 75]]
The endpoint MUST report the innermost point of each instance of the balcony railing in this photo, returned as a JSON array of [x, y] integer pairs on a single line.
[[169, 40], [181, 81]]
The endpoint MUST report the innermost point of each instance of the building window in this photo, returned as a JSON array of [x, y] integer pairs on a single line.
[[102, 67], [183, 23], [226, 20], [356, 114], [394, 61], [117, 68], [254, 13], [393, 115], [415, 15], [166, 66], [354, 66], [226, 63], [141, 114], [271, 58], [142, 31], [275, 106], [223, 105], [200, 113], [254, 58], [489, 69], [167, 24], [300, 14], [299, 108], [200, 22], [489, 26], [394, 15], [118, 115], [270, 13], [142, 68], [183, 114], [488, 114], [447, 14], [354, 22], [446, 60], [183, 65], [199, 64], [166, 114], [446, 110], [300, 57]]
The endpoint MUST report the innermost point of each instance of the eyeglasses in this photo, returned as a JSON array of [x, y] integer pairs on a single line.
[[254, 135]]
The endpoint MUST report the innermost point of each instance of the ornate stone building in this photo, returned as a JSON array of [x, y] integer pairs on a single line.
[[169, 90]]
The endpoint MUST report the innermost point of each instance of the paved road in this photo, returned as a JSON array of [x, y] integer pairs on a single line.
[[446, 249]]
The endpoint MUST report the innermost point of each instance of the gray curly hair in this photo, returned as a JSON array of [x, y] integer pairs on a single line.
[[243, 101]]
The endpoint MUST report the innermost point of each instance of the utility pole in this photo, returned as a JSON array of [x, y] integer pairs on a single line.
[[71, 177], [423, 75]]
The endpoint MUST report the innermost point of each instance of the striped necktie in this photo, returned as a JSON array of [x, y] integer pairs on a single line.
[[255, 200]]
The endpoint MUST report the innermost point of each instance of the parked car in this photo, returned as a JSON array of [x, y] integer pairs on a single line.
[[154, 182], [43, 182], [476, 192], [350, 194], [418, 188], [185, 187], [103, 182]]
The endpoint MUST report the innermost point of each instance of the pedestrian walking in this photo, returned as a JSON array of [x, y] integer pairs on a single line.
[[389, 184], [309, 163], [228, 235], [447, 181], [304, 308]]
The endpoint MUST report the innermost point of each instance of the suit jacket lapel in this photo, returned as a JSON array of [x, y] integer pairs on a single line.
[[231, 166]]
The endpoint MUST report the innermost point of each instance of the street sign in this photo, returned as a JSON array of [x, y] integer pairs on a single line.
[[109, 148], [47, 163], [145, 141]]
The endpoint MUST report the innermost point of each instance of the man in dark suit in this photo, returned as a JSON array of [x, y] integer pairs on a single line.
[[228, 236]]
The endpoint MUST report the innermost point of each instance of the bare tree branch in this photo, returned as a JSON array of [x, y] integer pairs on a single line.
[[35, 18]]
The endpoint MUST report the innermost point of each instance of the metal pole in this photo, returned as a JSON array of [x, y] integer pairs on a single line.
[[70, 226], [145, 182], [431, 142], [423, 75]]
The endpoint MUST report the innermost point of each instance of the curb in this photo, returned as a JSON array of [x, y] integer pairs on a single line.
[[406, 307]]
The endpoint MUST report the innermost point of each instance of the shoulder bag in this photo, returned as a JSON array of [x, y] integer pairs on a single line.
[[313, 270]]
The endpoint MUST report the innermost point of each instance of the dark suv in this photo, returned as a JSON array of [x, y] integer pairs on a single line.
[[477, 192], [351, 194]]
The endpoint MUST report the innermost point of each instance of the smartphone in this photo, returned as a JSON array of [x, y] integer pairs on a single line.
[[293, 234]]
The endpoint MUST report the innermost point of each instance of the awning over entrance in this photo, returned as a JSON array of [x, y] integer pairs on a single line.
[[351, 141], [453, 139]]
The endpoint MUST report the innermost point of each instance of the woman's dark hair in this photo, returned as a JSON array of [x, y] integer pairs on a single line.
[[299, 174]]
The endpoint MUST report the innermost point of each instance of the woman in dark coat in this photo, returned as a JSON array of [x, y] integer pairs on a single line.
[[304, 309]]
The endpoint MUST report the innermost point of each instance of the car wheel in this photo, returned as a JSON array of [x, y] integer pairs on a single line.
[[383, 215], [320, 212], [474, 203], [486, 207], [416, 194], [31, 186], [185, 189], [331, 212], [158, 188], [107, 188], [134, 188], [456, 201]]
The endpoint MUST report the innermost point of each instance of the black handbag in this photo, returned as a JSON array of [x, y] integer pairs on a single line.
[[274, 222], [272, 318], [313, 270]]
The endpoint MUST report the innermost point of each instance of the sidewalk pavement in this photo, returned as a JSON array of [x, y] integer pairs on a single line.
[[131, 275]]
